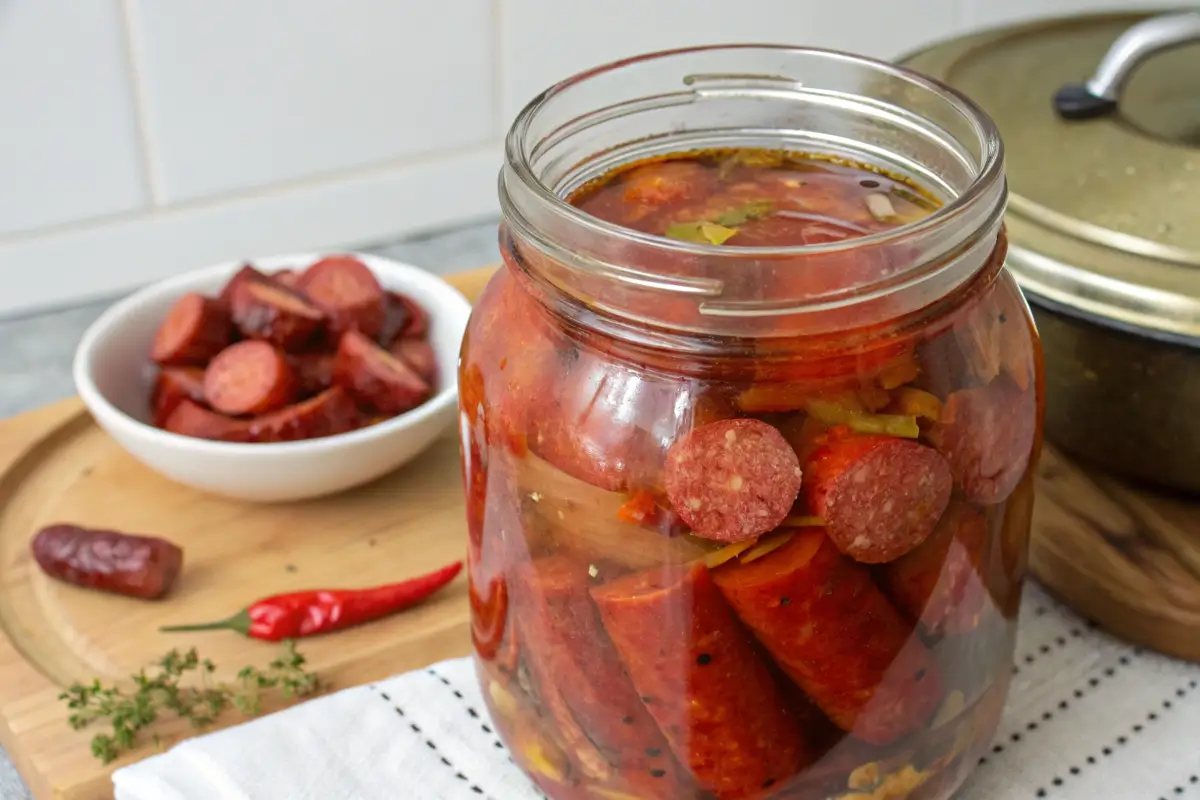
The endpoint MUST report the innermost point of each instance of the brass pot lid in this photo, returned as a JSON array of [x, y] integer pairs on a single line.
[[1104, 204]]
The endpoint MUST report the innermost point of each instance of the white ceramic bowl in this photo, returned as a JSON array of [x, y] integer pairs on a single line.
[[113, 375]]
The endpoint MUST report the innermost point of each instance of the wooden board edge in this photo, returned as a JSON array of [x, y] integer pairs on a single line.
[[18, 679]]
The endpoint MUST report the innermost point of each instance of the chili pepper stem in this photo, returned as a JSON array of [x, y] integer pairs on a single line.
[[239, 622]]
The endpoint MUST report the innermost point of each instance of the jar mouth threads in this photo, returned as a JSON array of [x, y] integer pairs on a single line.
[[748, 96]]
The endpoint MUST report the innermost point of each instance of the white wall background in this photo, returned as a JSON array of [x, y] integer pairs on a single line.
[[140, 138]]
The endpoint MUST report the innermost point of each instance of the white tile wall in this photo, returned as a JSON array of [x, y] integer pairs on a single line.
[[68, 141], [986, 13], [139, 138], [294, 89], [597, 31]]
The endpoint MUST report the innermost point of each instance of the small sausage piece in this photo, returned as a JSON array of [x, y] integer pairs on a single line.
[[328, 414], [250, 377], [172, 385], [941, 582], [192, 419], [566, 644], [733, 479], [987, 434], [396, 318], [265, 309], [836, 635], [879, 496], [663, 182], [348, 292], [376, 378], [288, 277], [314, 372], [195, 330], [246, 273], [418, 319], [136, 566], [701, 678], [417, 354]]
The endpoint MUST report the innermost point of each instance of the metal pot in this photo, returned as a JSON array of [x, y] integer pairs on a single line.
[[1104, 223]]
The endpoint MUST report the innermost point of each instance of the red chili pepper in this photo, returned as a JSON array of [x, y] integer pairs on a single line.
[[290, 616]]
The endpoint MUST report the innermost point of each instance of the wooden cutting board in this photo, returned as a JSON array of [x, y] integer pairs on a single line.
[[1126, 558]]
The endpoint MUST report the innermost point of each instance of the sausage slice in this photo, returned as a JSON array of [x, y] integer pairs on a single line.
[[987, 433], [733, 479], [268, 310], [376, 378], [418, 354], [328, 414], [195, 329], [880, 496], [348, 292], [172, 385], [250, 377], [192, 419]]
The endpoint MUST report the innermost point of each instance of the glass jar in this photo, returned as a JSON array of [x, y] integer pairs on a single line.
[[748, 519]]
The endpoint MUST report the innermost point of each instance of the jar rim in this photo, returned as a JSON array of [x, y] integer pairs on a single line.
[[988, 171]]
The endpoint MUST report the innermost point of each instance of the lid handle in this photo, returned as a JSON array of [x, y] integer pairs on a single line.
[[1099, 95]]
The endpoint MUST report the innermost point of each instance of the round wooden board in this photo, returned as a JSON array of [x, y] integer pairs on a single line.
[[1125, 557]]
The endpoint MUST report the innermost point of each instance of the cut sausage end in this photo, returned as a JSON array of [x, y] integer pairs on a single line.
[[250, 377], [376, 378], [328, 414], [195, 329], [880, 496], [346, 289], [314, 371], [173, 385], [732, 480], [246, 273], [192, 419], [987, 434], [419, 355], [264, 309], [416, 318]]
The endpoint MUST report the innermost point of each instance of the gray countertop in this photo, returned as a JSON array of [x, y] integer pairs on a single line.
[[35, 363]]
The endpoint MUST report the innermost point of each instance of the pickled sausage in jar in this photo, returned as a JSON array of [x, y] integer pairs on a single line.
[[732, 480], [987, 434], [518, 355], [836, 635], [565, 641], [582, 425], [880, 496], [941, 582], [700, 676]]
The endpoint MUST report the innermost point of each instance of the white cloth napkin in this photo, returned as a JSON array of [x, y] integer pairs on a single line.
[[1089, 717]]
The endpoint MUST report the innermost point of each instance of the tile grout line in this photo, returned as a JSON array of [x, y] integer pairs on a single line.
[[151, 180], [401, 240], [498, 108]]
